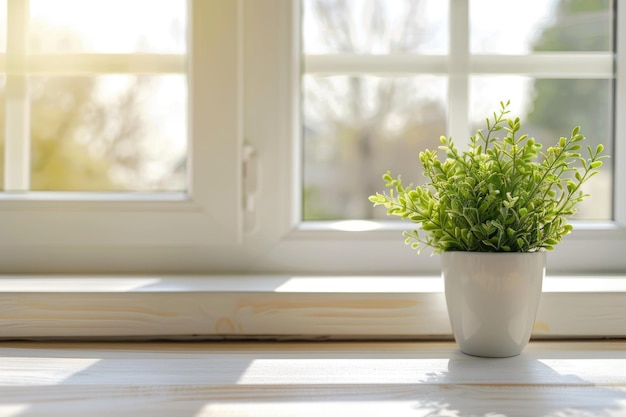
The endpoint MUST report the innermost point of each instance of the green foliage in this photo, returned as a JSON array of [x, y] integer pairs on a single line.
[[501, 195]]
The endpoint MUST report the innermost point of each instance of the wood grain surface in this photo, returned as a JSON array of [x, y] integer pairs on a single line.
[[281, 307], [309, 379]]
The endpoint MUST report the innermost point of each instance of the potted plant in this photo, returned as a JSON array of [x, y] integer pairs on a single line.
[[492, 211]]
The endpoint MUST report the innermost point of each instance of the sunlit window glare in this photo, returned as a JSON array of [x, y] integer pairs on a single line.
[[355, 225]]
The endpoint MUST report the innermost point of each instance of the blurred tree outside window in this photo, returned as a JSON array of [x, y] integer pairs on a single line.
[[105, 128], [358, 125]]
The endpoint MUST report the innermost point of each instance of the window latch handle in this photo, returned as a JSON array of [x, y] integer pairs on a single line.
[[250, 178]]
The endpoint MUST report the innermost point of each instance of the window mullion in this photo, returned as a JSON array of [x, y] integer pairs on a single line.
[[458, 70], [17, 133], [101, 63], [579, 65], [392, 64], [541, 65]]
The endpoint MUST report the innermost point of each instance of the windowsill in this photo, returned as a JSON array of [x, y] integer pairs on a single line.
[[284, 307]]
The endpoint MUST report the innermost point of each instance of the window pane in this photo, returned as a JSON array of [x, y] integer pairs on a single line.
[[519, 27], [108, 133], [356, 128], [108, 26], [375, 27], [549, 109]]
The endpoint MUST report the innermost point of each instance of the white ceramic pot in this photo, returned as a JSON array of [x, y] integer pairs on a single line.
[[492, 299]]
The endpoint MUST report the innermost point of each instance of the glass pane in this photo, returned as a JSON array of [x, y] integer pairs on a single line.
[[519, 27], [375, 27], [108, 26], [549, 109], [109, 133], [356, 128]]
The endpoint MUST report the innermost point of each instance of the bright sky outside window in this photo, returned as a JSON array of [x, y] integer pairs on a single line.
[[359, 124], [114, 122]]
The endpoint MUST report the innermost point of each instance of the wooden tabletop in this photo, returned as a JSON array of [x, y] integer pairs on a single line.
[[318, 379]]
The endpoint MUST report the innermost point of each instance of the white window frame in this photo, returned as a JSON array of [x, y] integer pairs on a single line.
[[285, 243], [65, 232], [250, 96]]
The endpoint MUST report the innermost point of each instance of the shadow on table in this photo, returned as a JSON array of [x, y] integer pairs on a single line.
[[477, 387]]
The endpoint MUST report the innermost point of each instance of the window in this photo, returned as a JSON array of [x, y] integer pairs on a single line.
[[262, 81], [100, 110], [375, 90], [247, 204], [113, 144]]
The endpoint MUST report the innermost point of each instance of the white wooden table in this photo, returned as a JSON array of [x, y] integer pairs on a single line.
[[321, 379]]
